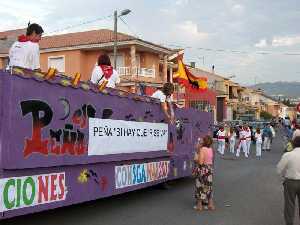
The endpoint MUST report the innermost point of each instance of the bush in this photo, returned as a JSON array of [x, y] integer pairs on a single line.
[[265, 115]]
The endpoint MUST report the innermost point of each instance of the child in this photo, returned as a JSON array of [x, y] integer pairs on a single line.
[[232, 137], [258, 138]]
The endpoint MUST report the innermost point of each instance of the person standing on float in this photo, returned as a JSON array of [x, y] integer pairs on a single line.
[[25, 52], [166, 101], [104, 74]]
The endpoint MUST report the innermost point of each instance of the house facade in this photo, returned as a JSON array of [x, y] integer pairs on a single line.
[[217, 88], [138, 61]]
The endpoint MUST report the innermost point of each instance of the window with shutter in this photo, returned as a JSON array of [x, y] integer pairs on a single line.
[[57, 62]]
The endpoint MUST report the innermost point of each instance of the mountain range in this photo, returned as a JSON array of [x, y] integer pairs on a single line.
[[289, 89]]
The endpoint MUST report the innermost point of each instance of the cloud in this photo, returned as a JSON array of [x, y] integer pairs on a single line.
[[189, 28], [285, 41], [181, 2], [231, 24], [238, 9], [249, 60], [168, 11], [19, 13], [261, 44]]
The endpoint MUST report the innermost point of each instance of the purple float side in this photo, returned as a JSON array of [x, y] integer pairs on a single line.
[[39, 117]]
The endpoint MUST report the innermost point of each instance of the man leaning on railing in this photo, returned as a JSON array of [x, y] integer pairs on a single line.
[[165, 97]]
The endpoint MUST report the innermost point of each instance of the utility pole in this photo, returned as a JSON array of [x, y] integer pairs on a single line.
[[115, 37], [122, 13], [202, 59], [255, 78]]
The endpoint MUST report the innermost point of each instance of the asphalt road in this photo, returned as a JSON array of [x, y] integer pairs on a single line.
[[247, 192]]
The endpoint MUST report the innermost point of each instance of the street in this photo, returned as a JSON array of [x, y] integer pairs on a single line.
[[247, 192]]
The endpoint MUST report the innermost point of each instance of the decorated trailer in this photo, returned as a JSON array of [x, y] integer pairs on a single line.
[[63, 142]]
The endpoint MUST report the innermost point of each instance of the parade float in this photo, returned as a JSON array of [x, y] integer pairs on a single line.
[[63, 142]]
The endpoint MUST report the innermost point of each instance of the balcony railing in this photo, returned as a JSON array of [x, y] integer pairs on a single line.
[[124, 71], [136, 71]]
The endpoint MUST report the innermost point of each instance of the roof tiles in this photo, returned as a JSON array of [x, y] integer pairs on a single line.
[[82, 38]]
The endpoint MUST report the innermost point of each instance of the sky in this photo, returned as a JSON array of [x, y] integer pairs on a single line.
[[252, 41]]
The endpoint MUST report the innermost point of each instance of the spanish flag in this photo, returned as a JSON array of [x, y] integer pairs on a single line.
[[184, 77]]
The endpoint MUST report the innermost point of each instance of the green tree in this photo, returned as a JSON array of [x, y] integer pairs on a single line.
[[287, 102], [265, 115]]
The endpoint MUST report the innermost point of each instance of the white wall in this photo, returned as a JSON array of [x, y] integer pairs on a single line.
[[229, 113]]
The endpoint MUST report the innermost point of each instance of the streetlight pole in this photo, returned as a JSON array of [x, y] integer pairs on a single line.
[[202, 58], [255, 79], [115, 37], [123, 13]]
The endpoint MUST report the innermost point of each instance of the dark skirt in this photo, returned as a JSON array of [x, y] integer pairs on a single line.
[[204, 182]]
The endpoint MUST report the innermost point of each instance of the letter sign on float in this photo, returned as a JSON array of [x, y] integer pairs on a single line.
[[21, 192], [135, 174]]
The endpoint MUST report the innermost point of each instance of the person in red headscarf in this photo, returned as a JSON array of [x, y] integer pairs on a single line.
[[25, 52], [104, 72]]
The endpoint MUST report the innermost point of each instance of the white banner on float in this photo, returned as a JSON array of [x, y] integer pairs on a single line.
[[108, 136]]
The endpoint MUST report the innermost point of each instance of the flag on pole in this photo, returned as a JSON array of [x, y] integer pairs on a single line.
[[184, 77]]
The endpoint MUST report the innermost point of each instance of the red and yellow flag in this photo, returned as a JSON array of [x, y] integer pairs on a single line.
[[184, 77]]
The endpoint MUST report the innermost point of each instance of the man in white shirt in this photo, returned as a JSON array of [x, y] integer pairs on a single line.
[[221, 135], [258, 139], [104, 72], [25, 52], [165, 97], [242, 142], [296, 133], [248, 139], [289, 168]]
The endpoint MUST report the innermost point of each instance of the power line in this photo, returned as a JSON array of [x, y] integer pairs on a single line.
[[174, 45], [234, 51], [79, 24], [92, 21], [130, 29]]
